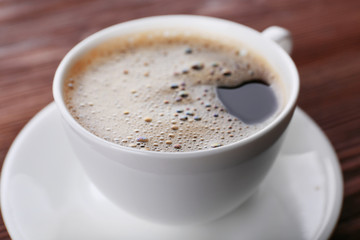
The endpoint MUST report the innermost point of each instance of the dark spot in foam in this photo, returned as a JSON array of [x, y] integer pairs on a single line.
[[252, 102]]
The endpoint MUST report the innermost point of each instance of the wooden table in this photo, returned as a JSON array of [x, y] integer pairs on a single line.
[[35, 35]]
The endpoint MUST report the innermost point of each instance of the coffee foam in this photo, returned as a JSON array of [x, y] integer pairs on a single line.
[[157, 92]]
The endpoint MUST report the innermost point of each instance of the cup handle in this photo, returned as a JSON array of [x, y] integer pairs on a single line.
[[281, 36]]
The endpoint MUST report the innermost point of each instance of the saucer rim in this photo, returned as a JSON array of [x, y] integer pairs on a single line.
[[324, 231]]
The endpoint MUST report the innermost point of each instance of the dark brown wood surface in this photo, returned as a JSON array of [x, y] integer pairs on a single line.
[[35, 35]]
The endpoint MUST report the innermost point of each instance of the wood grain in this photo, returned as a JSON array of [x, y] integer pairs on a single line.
[[35, 35]]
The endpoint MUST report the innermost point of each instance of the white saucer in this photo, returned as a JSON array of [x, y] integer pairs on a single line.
[[45, 194]]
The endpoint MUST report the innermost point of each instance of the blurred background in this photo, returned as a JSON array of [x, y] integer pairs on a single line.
[[35, 35]]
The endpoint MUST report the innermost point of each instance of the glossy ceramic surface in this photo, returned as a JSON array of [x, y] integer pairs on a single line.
[[45, 193]]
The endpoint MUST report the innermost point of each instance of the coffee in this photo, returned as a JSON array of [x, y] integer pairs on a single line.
[[158, 91], [252, 101]]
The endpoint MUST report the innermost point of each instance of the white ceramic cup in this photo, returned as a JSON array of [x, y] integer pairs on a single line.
[[183, 187]]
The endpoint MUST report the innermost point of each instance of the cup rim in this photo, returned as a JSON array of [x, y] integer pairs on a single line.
[[84, 44]]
